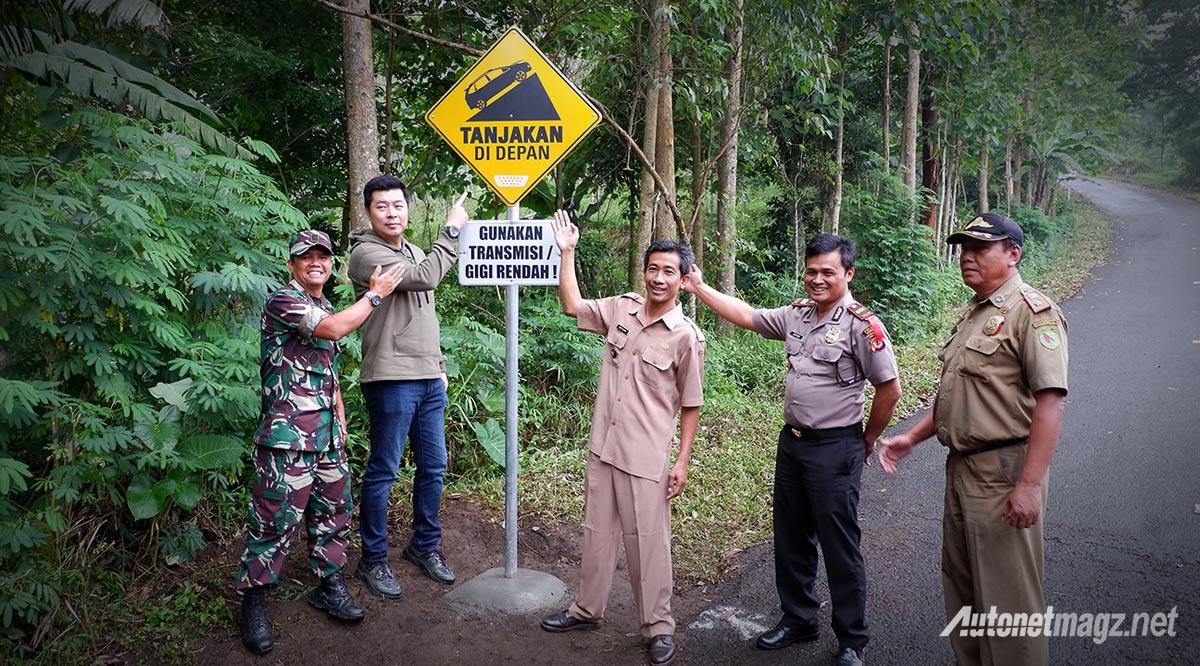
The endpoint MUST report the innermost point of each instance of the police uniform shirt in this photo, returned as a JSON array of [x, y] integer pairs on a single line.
[[649, 371], [1004, 349], [829, 361]]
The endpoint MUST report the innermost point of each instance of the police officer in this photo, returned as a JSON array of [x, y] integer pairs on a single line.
[[652, 370], [834, 346], [998, 411], [300, 445]]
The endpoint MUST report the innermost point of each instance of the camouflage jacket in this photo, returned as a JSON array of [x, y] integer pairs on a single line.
[[299, 377]]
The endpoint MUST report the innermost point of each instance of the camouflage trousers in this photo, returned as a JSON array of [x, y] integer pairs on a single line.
[[290, 486]]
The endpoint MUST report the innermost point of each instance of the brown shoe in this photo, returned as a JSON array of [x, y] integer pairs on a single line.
[[564, 621], [662, 650]]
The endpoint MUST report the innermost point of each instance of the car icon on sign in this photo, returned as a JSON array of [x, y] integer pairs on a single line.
[[492, 82]]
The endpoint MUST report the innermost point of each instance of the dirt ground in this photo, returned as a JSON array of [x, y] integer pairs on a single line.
[[420, 630]]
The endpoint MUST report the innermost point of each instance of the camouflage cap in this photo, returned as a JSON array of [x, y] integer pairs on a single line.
[[989, 227], [306, 240]]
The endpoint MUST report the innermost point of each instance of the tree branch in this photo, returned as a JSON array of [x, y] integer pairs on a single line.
[[375, 18]]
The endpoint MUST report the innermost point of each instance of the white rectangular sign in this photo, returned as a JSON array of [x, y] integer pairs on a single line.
[[499, 252]]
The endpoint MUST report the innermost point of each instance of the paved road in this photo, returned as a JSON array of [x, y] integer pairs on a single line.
[[1123, 528]]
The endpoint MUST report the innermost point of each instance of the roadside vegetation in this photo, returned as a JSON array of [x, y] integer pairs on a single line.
[[153, 167]]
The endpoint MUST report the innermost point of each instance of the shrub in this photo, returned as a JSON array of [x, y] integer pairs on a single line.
[[135, 265]]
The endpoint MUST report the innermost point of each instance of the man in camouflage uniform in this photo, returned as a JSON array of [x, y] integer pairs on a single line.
[[299, 447]]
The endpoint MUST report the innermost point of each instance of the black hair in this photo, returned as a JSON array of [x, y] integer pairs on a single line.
[[826, 243], [686, 256], [382, 183]]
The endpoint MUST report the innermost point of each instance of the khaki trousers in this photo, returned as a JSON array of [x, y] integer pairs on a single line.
[[986, 562], [619, 507]]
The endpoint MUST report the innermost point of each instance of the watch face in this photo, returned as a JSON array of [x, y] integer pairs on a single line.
[[375, 299], [452, 231]]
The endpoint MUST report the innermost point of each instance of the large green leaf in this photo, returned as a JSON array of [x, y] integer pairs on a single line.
[[210, 452], [174, 393], [490, 436], [144, 497]]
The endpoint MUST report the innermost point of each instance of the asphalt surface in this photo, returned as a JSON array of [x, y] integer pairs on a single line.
[[1123, 517]]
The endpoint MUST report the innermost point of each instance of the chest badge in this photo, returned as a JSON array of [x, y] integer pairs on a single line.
[[833, 335], [993, 325]]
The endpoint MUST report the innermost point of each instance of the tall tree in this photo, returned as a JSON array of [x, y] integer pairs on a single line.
[[727, 223], [362, 133]]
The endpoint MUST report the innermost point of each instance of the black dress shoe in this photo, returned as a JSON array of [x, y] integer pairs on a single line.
[[848, 656], [333, 597], [564, 621], [784, 635], [662, 650], [254, 623]]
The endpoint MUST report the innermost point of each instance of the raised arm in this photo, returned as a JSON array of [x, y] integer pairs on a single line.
[[731, 308], [566, 235], [335, 326]]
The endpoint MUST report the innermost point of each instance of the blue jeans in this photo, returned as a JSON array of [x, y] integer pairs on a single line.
[[414, 410]]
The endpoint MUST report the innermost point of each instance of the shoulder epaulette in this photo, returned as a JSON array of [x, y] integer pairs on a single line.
[[861, 311], [635, 296], [874, 329], [804, 303], [696, 328], [1036, 301]]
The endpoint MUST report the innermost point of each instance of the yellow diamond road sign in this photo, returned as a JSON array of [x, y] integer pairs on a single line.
[[513, 116]]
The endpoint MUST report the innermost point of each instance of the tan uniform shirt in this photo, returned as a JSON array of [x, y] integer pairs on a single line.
[[828, 359], [649, 371], [1001, 354]]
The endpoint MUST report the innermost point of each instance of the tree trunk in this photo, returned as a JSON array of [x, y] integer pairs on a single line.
[[664, 136], [1018, 152], [648, 195], [649, 216], [727, 164], [1008, 172], [908, 140], [839, 160], [887, 104], [931, 156], [362, 133], [983, 174]]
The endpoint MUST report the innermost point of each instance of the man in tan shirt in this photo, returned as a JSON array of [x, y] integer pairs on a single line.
[[998, 410], [652, 370]]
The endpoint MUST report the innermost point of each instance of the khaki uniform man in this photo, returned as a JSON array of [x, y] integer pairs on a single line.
[[998, 411], [652, 370]]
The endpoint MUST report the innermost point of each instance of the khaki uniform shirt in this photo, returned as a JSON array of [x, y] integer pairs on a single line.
[[1001, 354], [828, 360], [649, 371]]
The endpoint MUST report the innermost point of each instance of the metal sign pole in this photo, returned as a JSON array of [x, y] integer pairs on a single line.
[[511, 318]]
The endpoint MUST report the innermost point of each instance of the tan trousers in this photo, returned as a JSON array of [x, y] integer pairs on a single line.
[[619, 507], [986, 562]]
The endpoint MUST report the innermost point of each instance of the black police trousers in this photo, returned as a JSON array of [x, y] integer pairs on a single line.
[[817, 475]]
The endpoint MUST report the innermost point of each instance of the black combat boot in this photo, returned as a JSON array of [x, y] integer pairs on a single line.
[[255, 625], [333, 598]]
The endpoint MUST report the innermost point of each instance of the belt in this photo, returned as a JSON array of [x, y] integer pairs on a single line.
[[824, 433], [990, 446]]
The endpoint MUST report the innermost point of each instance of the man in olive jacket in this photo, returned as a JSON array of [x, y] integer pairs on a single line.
[[403, 382]]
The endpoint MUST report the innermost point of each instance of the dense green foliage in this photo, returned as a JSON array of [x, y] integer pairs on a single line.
[[134, 268], [139, 235]]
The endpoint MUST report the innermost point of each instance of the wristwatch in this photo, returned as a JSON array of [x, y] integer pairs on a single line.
[[374, 299], [451, 231]]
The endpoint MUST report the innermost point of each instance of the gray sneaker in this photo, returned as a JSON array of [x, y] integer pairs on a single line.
[[379, 580], [432, 563]]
